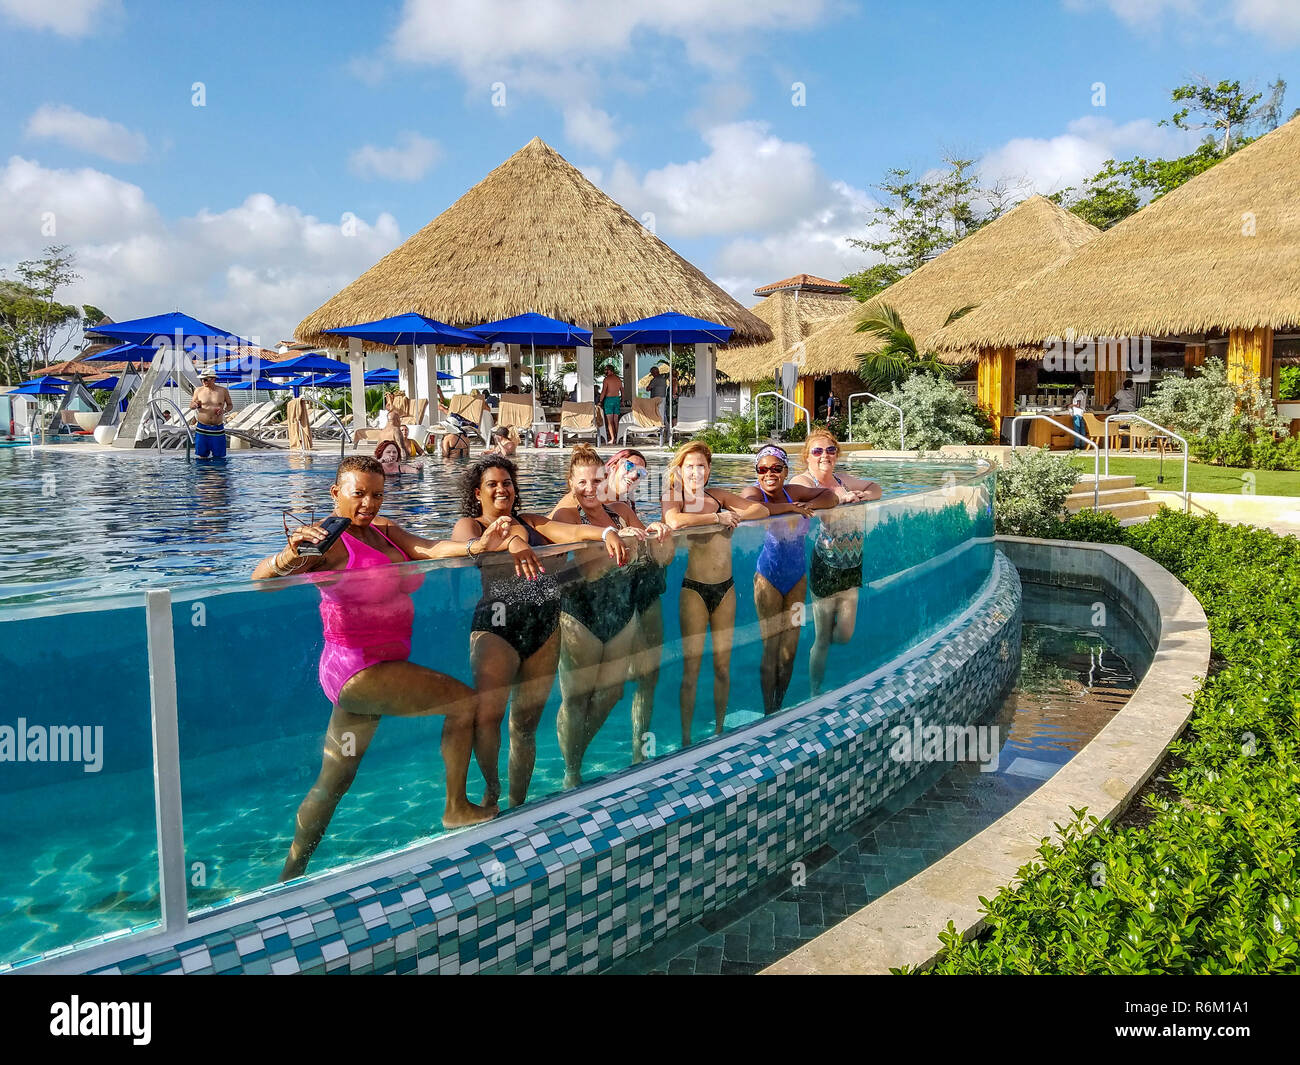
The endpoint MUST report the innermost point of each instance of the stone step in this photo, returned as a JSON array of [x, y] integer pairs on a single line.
[[1083, 500], [1084, 484], [1140, 509]]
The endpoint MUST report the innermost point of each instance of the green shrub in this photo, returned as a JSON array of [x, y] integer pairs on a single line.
[[1211, 884], [935, 412], [1209, 405], [1031, 492], [1288, 382], [1089, 526], [730, 434], [1240, 450]]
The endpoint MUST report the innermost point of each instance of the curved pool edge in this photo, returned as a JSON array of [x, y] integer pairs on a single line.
[[902, 926], [580, 881]]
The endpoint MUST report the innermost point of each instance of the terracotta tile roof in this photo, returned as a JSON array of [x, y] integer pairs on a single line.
[[808, 282]]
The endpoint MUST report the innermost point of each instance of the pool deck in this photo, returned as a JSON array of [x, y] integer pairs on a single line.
[[902, 927]]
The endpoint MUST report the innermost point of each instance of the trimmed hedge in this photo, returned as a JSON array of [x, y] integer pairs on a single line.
[[1211, 883]]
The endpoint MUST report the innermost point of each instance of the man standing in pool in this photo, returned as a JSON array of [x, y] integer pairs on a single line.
[[212, 402]]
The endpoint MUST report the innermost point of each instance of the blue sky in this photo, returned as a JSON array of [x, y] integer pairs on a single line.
[[680, 108]]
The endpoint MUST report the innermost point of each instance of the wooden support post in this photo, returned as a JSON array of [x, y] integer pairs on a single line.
[[1193, 358], [996, 383], [1250, 355]]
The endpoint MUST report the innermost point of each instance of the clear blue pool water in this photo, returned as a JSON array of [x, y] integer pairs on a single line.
[[78, 848]]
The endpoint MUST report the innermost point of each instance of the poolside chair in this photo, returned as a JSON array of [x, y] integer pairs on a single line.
[[690, 411], [580, 420], [520, 415], [645, 419], [471, 416], [416, 415]]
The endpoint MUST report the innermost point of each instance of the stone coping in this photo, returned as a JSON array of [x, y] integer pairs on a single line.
[[902, 927]]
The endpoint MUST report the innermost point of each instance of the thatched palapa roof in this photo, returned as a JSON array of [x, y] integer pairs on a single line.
[[1221, 252], [1029, 237], [534, 235], [793, 318]]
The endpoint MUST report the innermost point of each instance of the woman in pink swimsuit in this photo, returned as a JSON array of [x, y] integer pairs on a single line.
[[364, 671]]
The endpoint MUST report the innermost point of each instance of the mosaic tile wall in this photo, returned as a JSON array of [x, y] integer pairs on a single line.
[[577, 890]]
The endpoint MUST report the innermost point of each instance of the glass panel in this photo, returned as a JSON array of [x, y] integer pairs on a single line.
[[78, 847]]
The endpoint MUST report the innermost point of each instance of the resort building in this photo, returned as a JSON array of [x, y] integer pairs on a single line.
[[1210, 269]]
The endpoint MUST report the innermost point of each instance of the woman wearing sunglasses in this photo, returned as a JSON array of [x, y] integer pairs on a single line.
[[626, 472], [836, 572], [781, 578], [708, 598], [598, 627]]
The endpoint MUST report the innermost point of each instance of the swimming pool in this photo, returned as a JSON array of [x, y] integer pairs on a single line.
[[105, 522], [79, 847]]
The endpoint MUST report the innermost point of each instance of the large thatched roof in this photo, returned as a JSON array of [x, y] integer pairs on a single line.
[[793, 318], [1222, 251], [534, 235], [1032, 235]]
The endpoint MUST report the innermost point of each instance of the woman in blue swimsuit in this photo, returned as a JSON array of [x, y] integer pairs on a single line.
[[782, 575]]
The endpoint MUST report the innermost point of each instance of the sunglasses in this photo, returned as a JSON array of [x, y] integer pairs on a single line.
[[761, 470], [292, 521], [831, 450], [633, 470]]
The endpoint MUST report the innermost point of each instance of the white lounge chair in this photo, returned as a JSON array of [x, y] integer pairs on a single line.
[[580, 421], [690, 412], [645, 419]]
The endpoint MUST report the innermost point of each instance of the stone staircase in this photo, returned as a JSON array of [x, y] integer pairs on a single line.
[[1118, 495]]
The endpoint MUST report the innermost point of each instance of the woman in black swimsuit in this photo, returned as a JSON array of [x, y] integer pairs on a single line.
[[626, 470], [708, 598], [515, 639], [597, 614]]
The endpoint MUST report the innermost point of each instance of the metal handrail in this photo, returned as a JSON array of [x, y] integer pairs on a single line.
[[345, 437], [902, 440], [784, 399], [158, 424], [1131, 417], [1096, 459]]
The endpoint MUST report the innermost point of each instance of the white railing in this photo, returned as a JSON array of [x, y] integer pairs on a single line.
[[783, 399], [159, 424], [1096, 458], [1129, 416], [344, 436], [902, 439]]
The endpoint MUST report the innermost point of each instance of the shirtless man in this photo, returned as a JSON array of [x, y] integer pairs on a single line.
[[611, 402], [213, 402]]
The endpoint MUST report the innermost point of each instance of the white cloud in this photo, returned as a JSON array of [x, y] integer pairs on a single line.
[[99, 136], [1052, 163], [1276, 20], [591, 128], [817, 243], [69, 18], [257, 268], [750, 180], [1142, 14], [409, 160]]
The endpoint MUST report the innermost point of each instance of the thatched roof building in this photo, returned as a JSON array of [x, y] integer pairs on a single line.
[[534, 235], [1031, 236], [793, 312], [1219, 253]]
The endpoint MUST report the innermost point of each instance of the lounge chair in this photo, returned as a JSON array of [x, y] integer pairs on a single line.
[[645, 419], [471, 417], [520, 415], [690, 412], [579, 420]]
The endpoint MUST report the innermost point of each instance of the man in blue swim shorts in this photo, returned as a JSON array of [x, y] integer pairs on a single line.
[[212, 402]]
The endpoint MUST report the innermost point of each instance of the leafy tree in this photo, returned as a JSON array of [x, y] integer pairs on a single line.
[[1119, 189], [898, 358], [935, 412], [866, 283], [33, 324]]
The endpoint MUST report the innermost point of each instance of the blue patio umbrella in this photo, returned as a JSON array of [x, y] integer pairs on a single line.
[[665, 329], [265, 384], [174, 326], [41, 386], [313, 362], [533, 329], [410, 328], [381, 377], [328, 380], [125, 353], [108, 383]]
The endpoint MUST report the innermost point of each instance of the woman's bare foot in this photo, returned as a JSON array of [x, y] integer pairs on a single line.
[[468, 814]]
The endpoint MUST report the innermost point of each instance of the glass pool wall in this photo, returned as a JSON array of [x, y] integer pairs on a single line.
[[79, 848]]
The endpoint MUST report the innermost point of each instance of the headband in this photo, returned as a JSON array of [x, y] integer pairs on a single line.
[[618, 457], [771, 449]]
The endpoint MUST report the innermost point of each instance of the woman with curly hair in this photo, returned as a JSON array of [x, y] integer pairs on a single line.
[[514, 643]]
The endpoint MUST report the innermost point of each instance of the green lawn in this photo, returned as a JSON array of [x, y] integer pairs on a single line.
[[1200, 478]]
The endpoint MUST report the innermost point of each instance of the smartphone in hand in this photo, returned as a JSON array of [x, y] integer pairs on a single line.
[[333, 526]]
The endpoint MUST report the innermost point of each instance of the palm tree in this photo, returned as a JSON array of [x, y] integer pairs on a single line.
[[897, 358]]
